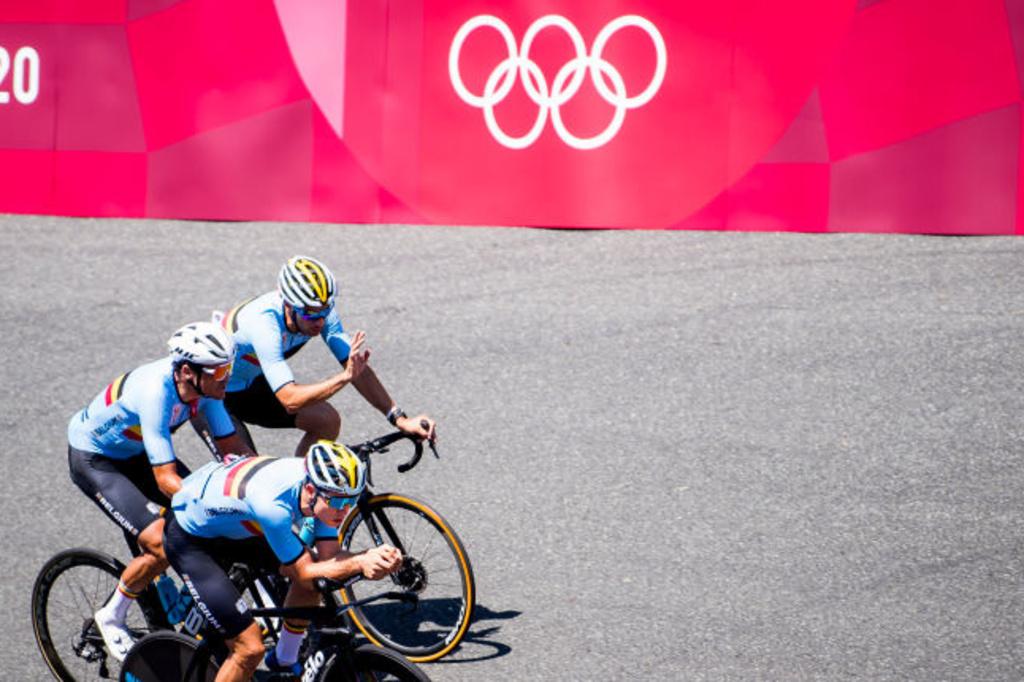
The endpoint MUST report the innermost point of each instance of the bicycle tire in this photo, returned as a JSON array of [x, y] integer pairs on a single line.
[[70, 644], [165, 656], [374, 664], [398, 626]]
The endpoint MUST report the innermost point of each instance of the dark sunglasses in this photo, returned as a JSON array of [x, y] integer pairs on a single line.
[[318, 315], [339, 502]]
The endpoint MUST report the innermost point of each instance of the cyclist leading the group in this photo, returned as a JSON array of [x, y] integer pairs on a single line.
[[271, 328], [247, 510], [121, 456]]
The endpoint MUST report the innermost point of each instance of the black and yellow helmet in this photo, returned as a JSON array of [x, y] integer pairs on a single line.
[[305, 282], [334, 470]]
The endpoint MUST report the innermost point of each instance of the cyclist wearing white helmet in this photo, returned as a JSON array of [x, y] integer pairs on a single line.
[[120, 452], [245, 510], [271, 328]]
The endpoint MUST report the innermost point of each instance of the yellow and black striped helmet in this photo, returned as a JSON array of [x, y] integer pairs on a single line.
[[334, 470], [305, 282]]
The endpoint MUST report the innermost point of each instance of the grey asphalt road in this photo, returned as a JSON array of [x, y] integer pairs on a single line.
[[671, 455]]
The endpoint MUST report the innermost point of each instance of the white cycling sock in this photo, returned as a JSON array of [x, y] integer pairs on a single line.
[[289, 640], [120, 602]]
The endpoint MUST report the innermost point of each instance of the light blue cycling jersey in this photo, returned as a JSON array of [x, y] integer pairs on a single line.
[[136, 413], [246, 498], [263, 342]]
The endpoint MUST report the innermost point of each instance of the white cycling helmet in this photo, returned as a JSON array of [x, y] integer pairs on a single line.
[[334, 470], [202, 343], [306, 282]]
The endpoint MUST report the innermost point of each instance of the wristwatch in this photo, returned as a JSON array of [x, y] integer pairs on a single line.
[[394, 414]]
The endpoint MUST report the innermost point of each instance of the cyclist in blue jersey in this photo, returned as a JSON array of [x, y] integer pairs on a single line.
[[120, 452], [249, 509], [271, 328]]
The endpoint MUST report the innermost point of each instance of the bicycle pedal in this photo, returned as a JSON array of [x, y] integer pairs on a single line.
[[267, 676], [280, 677]]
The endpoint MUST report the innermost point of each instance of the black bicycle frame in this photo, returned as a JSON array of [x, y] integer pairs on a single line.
[[338, 639]]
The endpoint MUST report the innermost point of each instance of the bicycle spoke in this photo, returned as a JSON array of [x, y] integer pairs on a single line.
[[78, 591], [433, 570], [69, 590]]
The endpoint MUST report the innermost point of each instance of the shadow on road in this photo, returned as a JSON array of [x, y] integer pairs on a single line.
[[482, 634]]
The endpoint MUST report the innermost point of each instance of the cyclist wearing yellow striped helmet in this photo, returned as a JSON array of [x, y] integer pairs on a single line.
[[269, 329], [245, 510]]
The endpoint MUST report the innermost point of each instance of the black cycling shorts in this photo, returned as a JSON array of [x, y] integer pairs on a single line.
[[123, 489], [258, 405], [202, 564]]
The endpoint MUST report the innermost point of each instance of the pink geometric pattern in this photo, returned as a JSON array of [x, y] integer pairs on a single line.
[[259, 166], [138, 9], [100, 183], [90, 113], [957, 178], [909, 66], [334, 110], [202, 64], [62, 11], [921, 117]]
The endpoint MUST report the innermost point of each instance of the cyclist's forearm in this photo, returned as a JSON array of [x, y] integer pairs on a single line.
[[167, 478], [370, 387], [296, 396], [233, 444], [328, 549], [343, 566]]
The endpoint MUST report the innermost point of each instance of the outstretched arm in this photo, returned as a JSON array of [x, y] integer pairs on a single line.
[[373, 563], [371, 388], [295, 396]]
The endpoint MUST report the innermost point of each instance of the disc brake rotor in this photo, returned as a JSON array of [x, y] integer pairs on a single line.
[[412, 576]]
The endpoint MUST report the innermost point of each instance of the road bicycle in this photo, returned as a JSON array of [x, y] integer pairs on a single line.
[[68, 590], [435, 566], [330, 652], [75, 583], [165, 651]]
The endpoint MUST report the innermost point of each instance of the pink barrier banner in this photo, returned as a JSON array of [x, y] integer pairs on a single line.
[[806, 115]]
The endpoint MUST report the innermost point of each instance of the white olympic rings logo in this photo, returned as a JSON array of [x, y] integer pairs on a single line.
[[567, 81]]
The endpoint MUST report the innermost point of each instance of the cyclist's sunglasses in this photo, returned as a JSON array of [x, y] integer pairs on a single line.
[[312, 317], [219, 373], [339, 502]]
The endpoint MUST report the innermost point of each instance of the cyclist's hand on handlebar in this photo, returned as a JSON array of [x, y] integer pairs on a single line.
[[380, 561], [420, 426], [357, 357]]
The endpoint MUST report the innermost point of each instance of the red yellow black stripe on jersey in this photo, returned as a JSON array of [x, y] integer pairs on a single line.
[[252, 527], [115, 389], [238, 478], [230, 321]]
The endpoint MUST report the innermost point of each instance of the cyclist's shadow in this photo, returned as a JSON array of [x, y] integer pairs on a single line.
[[481, 636]]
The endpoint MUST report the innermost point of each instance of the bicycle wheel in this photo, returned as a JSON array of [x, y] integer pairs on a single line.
[[166, 656], [436, 568], [372, 664], [68, 590]]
